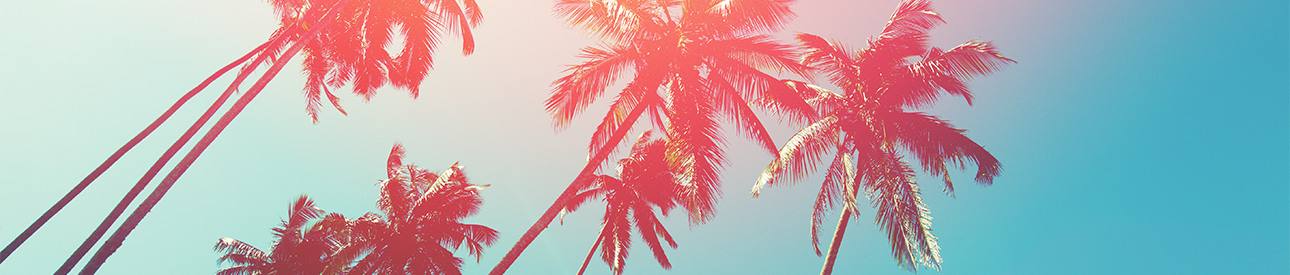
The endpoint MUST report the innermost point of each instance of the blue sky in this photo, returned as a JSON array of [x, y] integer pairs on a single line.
[[1137, 137]]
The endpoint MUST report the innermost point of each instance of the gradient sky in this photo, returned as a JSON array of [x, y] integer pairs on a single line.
[[1137, 137]]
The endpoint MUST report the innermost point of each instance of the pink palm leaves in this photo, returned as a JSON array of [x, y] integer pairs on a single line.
[[646, 181], [867, 128], [353, 51], [696, 63], [302, 244], [416, 230], [420, 221]]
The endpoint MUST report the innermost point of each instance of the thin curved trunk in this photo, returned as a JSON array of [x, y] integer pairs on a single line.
[[837, 242], [586, 261], [584, 176], [118, 237], [71, 194], [165, 157]]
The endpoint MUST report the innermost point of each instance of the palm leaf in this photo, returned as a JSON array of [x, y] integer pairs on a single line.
[[902, 214], [800, 154], [587, 81], [936, 142]]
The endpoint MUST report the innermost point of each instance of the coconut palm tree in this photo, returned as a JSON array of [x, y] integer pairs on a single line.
[[645, 182], [298, 247], [870, 128], [360, 28], [419, 226], [696, 63]]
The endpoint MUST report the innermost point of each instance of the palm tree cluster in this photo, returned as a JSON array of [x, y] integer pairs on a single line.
[[415, 232], [705, 63], [696, 66]]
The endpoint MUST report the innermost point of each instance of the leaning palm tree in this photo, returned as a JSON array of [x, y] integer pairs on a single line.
[[418, 226], [696, 63], [352, 52], [298, 247], [869, 128], [646, 181]]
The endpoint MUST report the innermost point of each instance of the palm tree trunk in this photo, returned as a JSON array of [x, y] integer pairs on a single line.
[[165, 157], [118, 237], [837, 242], [593, 250], [71, 194], [584, 176]]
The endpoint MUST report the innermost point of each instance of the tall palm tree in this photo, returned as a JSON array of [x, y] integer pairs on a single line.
[[646, 181], [298, 247], [696, 63], [870, 127], [419, 221], [362, 28]]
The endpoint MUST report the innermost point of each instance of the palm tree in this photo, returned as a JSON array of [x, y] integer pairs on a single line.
[[298, 247], [645, 182], [419, 220], [695, 62], [869, 128], [361, 28]]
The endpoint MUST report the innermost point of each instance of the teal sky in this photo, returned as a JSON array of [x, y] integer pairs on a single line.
[[1137, 137]]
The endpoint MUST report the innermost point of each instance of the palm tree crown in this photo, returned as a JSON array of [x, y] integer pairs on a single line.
[[646, 181], [353, 49], [298, 247], [695, 62], [419, 220], [869, 129]]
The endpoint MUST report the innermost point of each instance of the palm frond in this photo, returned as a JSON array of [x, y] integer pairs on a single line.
[[577, 200], [695, 139], [647, 224], [841, 173], [615, 20], [759, 51], [935, 142], [902, 214], [801, 153], [832, 59], [587, 81], [234, 246], [461, 21], [640, 93], [301, 211], [752, 15], [912, 17], [420, 40], [618, 242], [241, 270], [745, 121], [478, 236]]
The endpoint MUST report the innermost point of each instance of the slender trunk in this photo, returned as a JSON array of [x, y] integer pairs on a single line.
[[837, 242], [118, 237], [593, 250], [584, 176], [165, 157], [71, 194]]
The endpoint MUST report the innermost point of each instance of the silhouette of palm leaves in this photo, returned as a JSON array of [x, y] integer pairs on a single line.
[[646, 181], [419, 222], [869, 127]]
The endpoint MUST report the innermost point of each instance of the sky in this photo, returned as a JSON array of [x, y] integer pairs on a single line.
[[1137, 137]]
